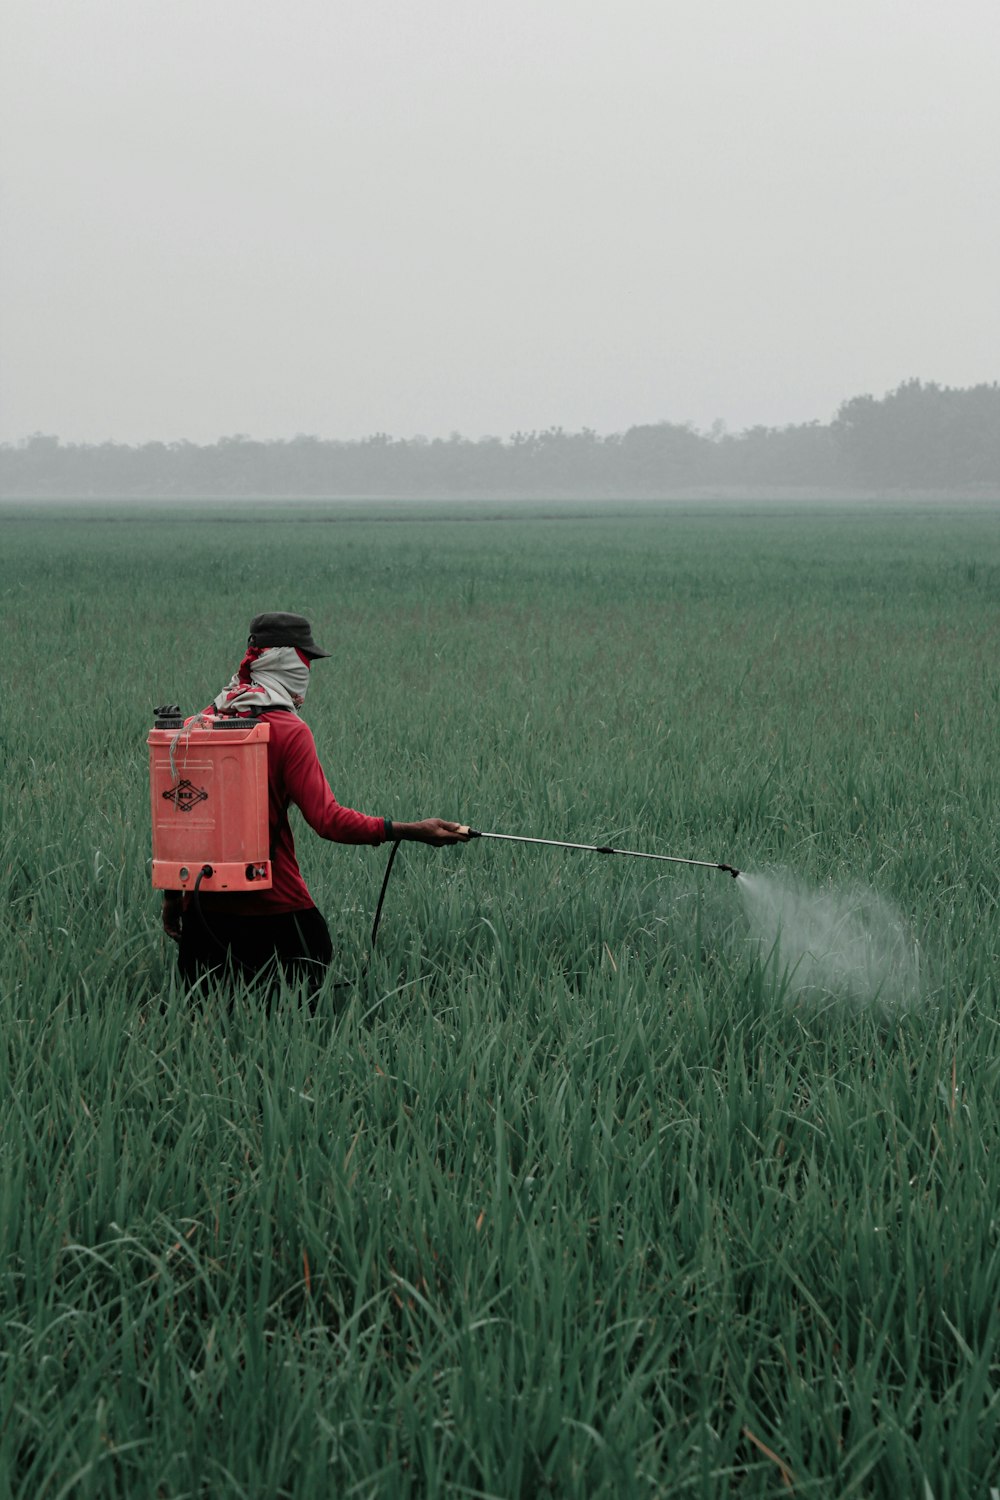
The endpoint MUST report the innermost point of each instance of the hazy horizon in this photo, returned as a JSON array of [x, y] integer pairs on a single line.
[[327, 220], [449, 433]]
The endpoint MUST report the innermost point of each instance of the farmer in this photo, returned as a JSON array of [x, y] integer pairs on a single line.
[[247, 931]]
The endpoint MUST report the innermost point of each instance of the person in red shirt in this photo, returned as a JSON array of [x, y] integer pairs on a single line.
[[250, 932]]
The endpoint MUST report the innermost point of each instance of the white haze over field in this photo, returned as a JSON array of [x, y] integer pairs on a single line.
[[835, 944], [221, 217]]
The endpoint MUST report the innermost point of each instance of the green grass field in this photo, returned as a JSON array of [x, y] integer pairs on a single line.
[[572, 1193]]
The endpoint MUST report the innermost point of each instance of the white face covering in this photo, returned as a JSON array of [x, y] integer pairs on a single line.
[[275, 677]]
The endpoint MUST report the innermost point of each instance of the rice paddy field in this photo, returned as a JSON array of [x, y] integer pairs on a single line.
[[576, 1187]]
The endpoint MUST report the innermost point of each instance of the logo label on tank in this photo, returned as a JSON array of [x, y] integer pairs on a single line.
[[185, 795]]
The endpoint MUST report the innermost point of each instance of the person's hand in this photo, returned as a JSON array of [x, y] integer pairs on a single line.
[[436, 831], [173, 907]]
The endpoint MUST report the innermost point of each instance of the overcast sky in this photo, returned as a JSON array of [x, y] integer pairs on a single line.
[[419, 216]]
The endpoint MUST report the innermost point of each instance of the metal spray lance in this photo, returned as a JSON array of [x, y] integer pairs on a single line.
[[674, 859]]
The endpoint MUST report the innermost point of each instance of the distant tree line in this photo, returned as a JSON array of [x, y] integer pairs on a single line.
[[920, 436]]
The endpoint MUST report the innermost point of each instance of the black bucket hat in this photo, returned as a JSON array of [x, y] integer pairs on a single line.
[[284, 630]]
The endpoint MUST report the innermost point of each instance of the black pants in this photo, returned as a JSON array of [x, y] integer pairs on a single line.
[[294, 944]]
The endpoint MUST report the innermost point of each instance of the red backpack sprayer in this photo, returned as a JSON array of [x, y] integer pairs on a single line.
[[209, 805], [208, 801]]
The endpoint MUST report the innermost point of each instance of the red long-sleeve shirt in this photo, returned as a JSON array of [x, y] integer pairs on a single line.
[[294, 775]]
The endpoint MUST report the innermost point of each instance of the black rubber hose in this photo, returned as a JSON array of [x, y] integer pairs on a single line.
[[381, 895]]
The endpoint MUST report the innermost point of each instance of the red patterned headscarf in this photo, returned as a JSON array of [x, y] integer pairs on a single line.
[[267, 677]]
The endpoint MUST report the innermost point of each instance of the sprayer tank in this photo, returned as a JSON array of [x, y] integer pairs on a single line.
[[209, 806]]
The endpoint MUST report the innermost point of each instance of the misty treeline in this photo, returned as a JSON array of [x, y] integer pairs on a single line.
[[921, 436]]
